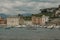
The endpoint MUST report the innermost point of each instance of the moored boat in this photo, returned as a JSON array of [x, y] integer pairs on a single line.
[[50, 27], [18, 26], [24, 26]]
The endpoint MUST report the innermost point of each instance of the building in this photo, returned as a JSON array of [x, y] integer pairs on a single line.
[[2, 21], [21, 20], [57, 14], [46, 18], [14, 20], [40, 20]]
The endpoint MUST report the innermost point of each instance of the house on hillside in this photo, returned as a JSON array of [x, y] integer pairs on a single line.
[[57, 14], [54, 11]]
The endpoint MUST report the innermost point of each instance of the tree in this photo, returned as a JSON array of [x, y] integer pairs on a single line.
[[59, 6], [19, 14]]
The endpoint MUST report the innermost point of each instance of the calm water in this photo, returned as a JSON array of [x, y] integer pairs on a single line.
[[25, 34]]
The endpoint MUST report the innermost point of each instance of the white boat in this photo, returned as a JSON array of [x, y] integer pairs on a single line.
[[24, 26], [37, 25], [45, 26], [18, 26], [56, 26], [33, 25], [41, 26], [50, 26]]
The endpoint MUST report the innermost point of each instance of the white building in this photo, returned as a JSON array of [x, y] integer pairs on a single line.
[[44, 19], [13, 21]]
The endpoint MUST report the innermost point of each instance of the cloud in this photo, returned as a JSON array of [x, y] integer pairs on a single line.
[[26, 6]]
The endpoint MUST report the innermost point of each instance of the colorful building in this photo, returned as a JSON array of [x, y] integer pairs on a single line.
[[40, 20], [2, 21]]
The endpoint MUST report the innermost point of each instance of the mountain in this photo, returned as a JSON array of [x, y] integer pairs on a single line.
[[27, 14], [3, 15]]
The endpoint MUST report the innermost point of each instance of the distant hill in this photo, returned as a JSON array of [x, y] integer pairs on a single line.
[[27, 14], [3, 15]]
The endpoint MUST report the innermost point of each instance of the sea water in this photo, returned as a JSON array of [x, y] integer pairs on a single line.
[[25, 34]]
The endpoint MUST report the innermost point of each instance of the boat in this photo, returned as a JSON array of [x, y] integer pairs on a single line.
[[41, 26], [45, 26], [23, 25], [50, 27], [56, 26], [37, 25], [18, 26]]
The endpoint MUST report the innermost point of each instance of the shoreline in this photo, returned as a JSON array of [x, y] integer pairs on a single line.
[[31, 26]]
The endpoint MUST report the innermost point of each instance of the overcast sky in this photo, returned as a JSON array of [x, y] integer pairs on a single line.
[[26, 6]]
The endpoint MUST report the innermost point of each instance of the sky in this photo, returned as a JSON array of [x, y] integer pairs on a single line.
[[26, 6]]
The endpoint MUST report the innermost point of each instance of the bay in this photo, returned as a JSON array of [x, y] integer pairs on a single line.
[[29, 34]]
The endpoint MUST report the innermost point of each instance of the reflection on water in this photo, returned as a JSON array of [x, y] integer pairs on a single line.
[[25, 34]]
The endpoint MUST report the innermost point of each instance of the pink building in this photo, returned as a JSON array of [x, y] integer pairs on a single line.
[[36, 20], [39, 20]]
